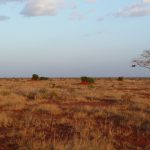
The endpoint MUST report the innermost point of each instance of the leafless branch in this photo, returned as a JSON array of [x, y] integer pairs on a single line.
[[143, 60]]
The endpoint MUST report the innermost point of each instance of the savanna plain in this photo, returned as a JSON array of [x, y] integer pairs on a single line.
[[62, 114]]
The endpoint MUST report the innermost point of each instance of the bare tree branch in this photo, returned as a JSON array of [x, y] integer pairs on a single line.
[[143, 60]]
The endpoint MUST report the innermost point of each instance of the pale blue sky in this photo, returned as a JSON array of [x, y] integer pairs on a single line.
[[72, 37]]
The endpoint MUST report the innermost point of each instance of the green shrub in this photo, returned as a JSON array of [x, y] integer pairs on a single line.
[[87, 79], [84, 79], [35, 77], [44, 78], [90, 80]]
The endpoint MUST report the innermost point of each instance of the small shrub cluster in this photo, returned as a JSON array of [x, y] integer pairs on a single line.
[[43, 78], [36, 77], [85, 79], [120, 78]]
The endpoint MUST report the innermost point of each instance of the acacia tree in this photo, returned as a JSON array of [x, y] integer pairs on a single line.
[[143, 60]]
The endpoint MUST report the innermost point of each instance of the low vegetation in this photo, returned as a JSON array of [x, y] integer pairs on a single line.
[[62, 114], [120, 78], [87, 80], [36, 77], [44, 78]]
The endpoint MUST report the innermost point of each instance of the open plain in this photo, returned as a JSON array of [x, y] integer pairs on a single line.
[[62, 114]]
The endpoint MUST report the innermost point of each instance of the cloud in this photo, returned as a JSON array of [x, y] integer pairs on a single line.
[[135, 10], [38, 7], [33, 8], [3, 18], [41, 7]]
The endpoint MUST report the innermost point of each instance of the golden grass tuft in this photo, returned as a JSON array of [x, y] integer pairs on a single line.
[[12, 102], [52, 109]]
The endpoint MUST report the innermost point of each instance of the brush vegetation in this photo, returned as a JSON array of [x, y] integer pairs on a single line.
[[62, 114]]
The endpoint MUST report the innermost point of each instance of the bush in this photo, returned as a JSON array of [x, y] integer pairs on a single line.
[[87, 79], [90, 80], [84, 79], [44, 78], [120, 78], [35, 77]]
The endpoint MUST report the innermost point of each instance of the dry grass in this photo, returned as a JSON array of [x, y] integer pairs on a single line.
[[52, 109], [5, 119], [60, 114]]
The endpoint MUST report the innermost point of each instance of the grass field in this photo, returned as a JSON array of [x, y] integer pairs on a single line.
[[62, 114]]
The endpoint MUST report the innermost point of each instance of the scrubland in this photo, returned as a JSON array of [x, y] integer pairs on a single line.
[[62, 114]]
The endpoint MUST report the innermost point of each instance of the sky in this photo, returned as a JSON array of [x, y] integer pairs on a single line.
[[73, 38]]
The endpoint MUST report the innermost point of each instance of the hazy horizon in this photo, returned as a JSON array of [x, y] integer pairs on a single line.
[[73, 38]]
